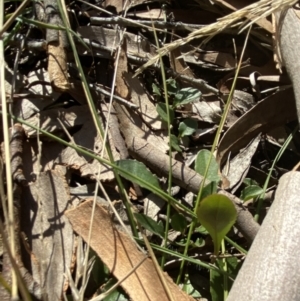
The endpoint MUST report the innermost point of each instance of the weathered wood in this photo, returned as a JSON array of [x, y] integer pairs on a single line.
[[271, 269], [289, 40]]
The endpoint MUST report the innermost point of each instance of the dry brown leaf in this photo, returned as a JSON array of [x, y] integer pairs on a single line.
[[131, 125], [136, 45], [273, 111], [121, 255], [240, 164], [88, 138], [119, 5], [49, 233], [142, 99], [178, 64], [48, 120]]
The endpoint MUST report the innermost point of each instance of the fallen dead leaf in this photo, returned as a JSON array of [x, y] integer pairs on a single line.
[[121, 255], [269, 113]]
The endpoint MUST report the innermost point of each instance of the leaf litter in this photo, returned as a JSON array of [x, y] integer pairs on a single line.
[[47, 93]]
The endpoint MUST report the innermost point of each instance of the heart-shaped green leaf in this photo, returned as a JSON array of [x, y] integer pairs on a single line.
[[217, 214]]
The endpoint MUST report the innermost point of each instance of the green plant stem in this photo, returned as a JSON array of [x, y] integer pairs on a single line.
[[215, 143], [225, 269], [234, 244], [12, 33], [11, 19], [266, 184], [163, 74]]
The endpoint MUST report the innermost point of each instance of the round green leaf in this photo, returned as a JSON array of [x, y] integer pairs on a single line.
[[217, 214], [187, 127]]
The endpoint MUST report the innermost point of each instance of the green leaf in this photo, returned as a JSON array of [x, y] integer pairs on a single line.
[[172, 86], [217, 283], [139, 170], [175, 143], [217, 214], [149, 224], [201, 230], [190, 290], [201, 164], [199, 243], [186, 95], [179, 222], [216, 279], [209, 189], [117, 294], [248, 182], [100, 272], [251, 192], [161, 109], [155, 90], [187, 127]]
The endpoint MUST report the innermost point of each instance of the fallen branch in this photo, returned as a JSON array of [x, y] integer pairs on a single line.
[[183, 176]]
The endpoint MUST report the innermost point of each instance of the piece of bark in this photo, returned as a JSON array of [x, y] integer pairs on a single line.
[[16, 153], [271, 268], [57, 44], [121, 255], [31, 285], [48, 232], [289, 40]]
